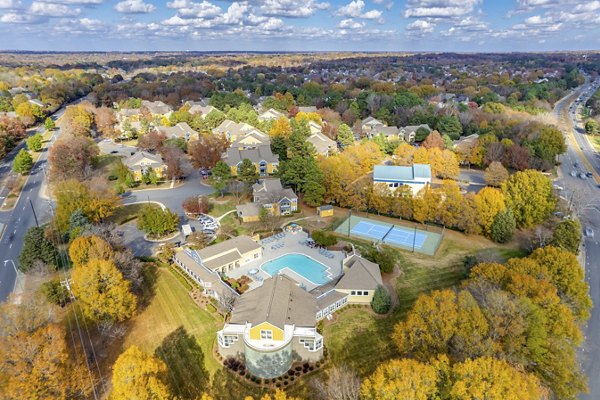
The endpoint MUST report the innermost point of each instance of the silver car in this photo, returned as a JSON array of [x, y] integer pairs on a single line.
[[589, 232]]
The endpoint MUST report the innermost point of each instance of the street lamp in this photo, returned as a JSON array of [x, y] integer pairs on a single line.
[[16, 271]]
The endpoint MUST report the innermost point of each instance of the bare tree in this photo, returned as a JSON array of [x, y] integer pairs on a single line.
[[226, 302], [341, 384], [238, 189]]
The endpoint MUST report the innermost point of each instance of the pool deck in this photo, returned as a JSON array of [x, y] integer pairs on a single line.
[[292, 244]]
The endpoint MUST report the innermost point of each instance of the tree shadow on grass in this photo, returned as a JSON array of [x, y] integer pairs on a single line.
[[184, 358], [147, 288]]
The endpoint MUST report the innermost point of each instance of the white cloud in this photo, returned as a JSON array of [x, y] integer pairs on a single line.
[[292, 8], [235, 13], [14, 18], [439, 8], [134, 7], [352, 9], [9, 4], [74, 2], [420, 27], [52, 10], [351, 24], [355, 9], [187, 9]]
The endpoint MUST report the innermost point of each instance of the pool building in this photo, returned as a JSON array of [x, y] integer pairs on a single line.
[[273, 324]]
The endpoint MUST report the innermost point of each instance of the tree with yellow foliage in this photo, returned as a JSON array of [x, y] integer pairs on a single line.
[[489, 202], [102, 291], [138, 376], [36, 365], [86, 248], [404, 154], [529, 195], [281, 128], [492, 379], [421, 156], [310, 116], [443, 322], [401, 379]]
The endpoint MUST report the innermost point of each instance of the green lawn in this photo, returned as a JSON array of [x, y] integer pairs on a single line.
[[595, 140], [362, 340], [127, 213], [172, 317]]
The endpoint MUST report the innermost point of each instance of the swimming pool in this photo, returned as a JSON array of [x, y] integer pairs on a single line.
[[310, 269]]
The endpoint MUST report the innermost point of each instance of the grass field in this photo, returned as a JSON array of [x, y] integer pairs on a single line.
[[595, 141], [127, 213], [173, 316], [361, 340]]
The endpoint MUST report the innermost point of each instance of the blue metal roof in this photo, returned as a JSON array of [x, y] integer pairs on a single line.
[[401, 173]]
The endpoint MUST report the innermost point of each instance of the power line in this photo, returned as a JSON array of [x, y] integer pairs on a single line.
[[66, 263]]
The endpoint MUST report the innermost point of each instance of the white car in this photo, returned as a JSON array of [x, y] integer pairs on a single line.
[[589, 232]]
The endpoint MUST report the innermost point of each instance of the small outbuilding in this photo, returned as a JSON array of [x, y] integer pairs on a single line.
[[325, 211]]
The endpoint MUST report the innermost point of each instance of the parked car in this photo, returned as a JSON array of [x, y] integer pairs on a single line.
[[573, 174], [589, 232], [582, 175], [589, 174]]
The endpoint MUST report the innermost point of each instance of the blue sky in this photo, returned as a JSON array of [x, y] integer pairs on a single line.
[[300, 25]]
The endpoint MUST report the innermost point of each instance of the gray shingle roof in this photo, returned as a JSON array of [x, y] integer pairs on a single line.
[[181, 130], [361, 275], [156, 160], [256, 155], [322, 143], [156, 107], [226, 252], [386, 130], [307, 109], [278, 301], [415, 128], [260, 137], [210, 277], [248, 210], [266, 188]]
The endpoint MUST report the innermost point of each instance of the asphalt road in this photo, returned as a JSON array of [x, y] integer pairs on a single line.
[[587, 206], [21, 218]]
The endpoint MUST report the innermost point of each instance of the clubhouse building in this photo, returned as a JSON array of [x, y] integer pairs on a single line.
[[273, 324], [416, 176]]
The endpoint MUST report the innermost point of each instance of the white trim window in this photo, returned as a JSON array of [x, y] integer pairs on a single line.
[[227, 340], [266, 334]]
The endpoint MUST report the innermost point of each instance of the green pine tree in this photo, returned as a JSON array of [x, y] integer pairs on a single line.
[[36, 248]]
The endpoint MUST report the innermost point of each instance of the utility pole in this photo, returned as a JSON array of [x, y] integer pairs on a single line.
[[34, 215], [349, 221]]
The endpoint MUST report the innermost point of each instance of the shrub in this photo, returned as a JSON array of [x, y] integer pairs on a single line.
[[56, 293], [385, 258], [567, 235], [382, 300], [323, 238], [156, 221], [504, 226]]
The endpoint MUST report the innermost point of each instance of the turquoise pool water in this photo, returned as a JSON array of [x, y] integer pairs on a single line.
[[310, 269]]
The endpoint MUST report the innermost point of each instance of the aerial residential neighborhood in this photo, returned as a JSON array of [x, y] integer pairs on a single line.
[[347, 200]]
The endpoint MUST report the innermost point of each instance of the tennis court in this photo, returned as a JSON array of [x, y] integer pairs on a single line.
[[406, 238]]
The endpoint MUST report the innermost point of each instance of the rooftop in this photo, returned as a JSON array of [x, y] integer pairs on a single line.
[[278, 301], [401, 173]]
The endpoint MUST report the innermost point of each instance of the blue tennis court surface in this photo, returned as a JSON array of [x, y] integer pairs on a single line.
[[391, 235]]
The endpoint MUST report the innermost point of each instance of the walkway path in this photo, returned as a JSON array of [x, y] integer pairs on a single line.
[[226, 214]]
